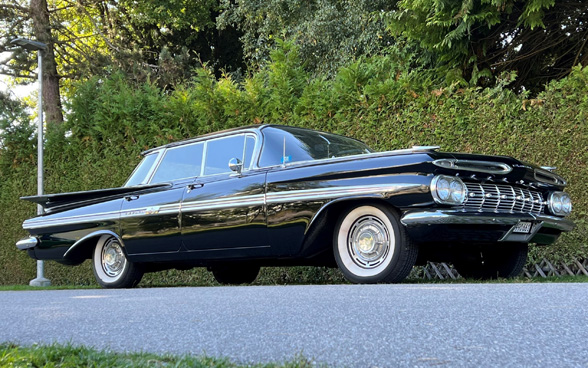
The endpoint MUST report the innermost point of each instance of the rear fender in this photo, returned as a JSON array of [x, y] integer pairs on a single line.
[[83, 248]]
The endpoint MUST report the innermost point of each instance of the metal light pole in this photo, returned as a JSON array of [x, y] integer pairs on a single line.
[[39, 47]]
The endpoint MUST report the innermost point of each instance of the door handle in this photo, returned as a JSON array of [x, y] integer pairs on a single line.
[[131, 198], [194, 186]]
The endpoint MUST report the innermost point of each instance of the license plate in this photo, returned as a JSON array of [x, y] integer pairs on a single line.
[[522, 227]]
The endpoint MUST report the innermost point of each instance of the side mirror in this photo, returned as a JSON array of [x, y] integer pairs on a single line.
[[236, 165]]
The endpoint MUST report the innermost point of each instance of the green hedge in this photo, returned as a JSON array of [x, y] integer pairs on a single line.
[[381, 101]]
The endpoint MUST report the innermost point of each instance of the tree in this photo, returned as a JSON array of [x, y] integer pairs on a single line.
[[34, 20], [329, 33], [540, 40], [158, 41]]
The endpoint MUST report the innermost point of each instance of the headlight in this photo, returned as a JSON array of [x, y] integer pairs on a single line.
[[448, 190], [559, 204]]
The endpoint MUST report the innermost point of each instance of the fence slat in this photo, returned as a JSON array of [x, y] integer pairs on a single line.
[[581, 267], [444, 271]]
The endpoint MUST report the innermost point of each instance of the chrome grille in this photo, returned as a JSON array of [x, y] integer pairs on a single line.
[[503, 198]]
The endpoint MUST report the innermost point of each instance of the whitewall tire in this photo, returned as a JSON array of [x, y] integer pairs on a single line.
[[111, 267], [371, 246]]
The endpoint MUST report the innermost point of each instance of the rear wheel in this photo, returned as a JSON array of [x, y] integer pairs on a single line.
[[371, 246], [111, 267], [235, 274], [490, 262]]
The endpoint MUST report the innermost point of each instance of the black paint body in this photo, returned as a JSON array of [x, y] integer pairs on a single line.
[[279, 215]]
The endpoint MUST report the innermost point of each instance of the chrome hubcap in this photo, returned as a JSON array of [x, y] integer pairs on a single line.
[[113, 258], [368, 242]]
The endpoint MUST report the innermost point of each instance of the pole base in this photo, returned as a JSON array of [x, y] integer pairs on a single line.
[[40, 282]]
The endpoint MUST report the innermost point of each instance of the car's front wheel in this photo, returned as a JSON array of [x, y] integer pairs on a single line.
[[371, 246], [490, 262], [111, 267]]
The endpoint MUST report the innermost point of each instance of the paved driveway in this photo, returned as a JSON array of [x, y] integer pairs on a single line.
[[471, 325]]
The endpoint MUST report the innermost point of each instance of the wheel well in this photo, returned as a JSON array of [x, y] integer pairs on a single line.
[[84, 248], [319, 236]]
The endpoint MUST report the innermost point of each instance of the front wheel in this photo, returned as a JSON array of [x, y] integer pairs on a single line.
[[490, 262], [111, 267], [371, 246]]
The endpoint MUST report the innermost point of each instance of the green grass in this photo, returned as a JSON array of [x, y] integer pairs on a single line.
[[66, 356], [516, 280], [53, 287]]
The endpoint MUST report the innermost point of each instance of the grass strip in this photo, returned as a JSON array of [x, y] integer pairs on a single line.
[[516, 280], [69, 356]]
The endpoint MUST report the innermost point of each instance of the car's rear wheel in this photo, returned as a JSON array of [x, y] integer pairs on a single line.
[[235, 274], [371, 246], [504, 260], [111, 267]]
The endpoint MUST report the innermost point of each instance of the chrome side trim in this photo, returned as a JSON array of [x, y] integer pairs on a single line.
[[229, 202], [489, 167], [27, 243], [457, 217], [38, 222], [335, 192]]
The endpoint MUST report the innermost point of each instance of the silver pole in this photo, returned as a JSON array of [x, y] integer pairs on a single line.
[[40, 280]]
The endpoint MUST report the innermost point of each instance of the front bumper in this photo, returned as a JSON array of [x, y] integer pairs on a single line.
[[545, 229], [27, 243]]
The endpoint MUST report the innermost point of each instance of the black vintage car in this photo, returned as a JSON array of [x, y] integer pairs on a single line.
[[271, 195]]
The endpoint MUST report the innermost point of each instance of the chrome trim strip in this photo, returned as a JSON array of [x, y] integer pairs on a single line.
[[228, 202], [334, 192], [38, 222], [444, 217], [27, 243], [213, 204], [473, 165]]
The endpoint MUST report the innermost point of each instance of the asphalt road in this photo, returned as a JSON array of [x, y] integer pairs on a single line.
[[470, 325]]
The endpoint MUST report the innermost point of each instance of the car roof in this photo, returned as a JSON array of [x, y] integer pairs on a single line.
[[247, 128]]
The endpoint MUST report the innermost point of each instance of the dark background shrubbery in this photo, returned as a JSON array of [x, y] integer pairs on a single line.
[[381, 100]]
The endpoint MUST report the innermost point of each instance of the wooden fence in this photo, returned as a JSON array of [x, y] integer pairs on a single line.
[[445, 271]]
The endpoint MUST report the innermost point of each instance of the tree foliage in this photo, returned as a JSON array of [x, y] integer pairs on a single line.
[[540, 40], [329, 33]]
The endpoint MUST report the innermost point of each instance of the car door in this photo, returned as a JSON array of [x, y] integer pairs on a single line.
[[150, 221], [223, 210]]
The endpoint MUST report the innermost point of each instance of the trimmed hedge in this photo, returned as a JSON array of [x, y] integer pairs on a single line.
[[379, 100]]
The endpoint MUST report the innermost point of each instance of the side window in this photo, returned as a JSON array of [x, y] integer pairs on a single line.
[[220, 151], [179, 162]]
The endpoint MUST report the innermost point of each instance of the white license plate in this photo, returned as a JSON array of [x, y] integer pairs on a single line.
[[522, 227]]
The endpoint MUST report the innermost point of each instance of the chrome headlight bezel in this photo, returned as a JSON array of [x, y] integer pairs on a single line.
[[449, 190], [559, 204]]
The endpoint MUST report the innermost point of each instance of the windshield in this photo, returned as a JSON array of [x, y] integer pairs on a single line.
[[305, 145]]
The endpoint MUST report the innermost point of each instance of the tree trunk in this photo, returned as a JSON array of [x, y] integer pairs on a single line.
[[42, 32]]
